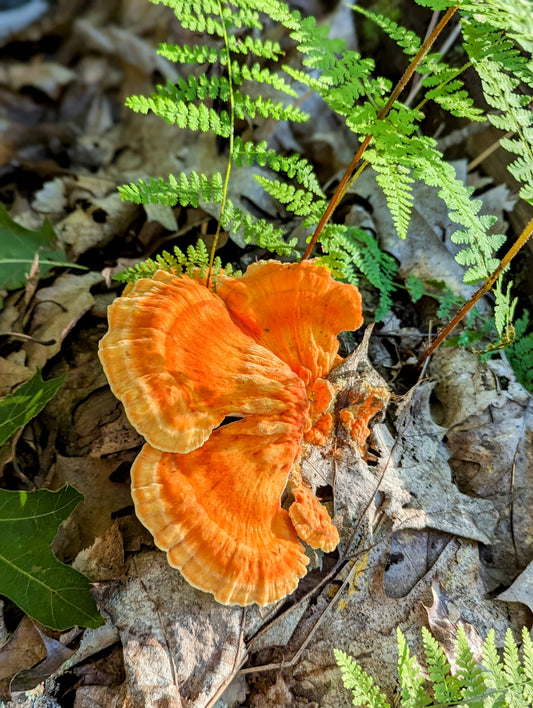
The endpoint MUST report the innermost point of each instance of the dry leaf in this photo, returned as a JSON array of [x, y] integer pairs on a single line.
[[56, 310], [178, 642]]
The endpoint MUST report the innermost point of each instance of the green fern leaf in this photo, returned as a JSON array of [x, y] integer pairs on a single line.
[[468, 673], [187, 190], [395, 180], [293, 166], [297, 201], [194, 263], [415, 288], [412, 688], [407, 40], [364, 691], [446, 688], [495, 676]]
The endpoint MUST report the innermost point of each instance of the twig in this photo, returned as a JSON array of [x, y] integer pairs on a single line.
[[511, 253], [21, 335], [426, 46]]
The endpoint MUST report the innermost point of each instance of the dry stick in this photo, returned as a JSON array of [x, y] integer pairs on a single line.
[[382, 114], [511, 253]]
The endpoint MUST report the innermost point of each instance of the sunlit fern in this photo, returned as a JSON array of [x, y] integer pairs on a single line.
[[234, 65], [506, 681]]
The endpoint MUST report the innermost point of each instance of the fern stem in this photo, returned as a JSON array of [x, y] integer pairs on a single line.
[[352, 179], [230, 157], [511, 253], [342, 186], [423, 102]]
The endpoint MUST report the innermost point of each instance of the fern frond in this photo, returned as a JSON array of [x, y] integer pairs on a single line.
[[495, 675], [200, 54], [293, 166], [520, 353], [447, 90], [527, 651], [185, 190], [314, 42], [246, 106], [501, 68], [508, 683], [364, 690], [257, 231], [296, 201], [478, 254], [412, 688], [203, 16], [406, 39], [395, 180], [193, 263], [183, 114], [446, 688], [262, 75], [469, 673], [512, 667], [250, 46]]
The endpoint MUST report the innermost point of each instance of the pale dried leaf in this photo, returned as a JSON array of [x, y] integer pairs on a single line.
[[178, 642], [57, 309]]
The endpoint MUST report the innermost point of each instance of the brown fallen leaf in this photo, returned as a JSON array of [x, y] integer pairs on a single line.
[[179, 644], [93, 517], [57, 308], [56, 654], [47, 76], [522, 588], [104, 560], [443, 620]]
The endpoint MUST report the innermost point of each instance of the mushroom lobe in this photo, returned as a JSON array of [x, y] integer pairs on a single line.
[[183, 360]]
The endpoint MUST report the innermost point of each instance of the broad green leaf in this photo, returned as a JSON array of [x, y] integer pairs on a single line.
[[30, 574], [18, 247], [25, 403]]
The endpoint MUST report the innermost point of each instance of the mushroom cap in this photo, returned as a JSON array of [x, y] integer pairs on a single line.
[[216, 511], [182, 359], [295, 310], [309, 517], [179, 365]]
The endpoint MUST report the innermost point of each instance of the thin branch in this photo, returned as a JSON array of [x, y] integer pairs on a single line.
[[381, 115], [487, 285]]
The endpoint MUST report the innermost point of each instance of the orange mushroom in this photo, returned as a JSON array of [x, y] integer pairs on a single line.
[[182, 359], [295, 310]]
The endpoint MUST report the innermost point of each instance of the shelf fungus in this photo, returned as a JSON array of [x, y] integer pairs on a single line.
[[225, 387]]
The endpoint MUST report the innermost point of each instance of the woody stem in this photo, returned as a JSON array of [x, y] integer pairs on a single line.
[[339, 192], [487, 285]]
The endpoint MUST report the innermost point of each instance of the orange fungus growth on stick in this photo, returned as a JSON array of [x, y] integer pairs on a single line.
[[182, 359]]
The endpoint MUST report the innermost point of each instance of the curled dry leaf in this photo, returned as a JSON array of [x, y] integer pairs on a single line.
[[183, 359]]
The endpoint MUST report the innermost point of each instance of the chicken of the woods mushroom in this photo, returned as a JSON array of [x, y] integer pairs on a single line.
[[183, 360]]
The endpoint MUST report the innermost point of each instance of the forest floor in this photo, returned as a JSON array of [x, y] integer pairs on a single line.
[[435, 519]]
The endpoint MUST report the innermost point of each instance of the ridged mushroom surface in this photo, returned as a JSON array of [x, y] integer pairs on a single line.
[[224, 386]]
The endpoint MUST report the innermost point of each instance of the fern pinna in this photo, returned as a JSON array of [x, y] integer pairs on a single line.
[[213, 100], [232, 61], [497, 682]]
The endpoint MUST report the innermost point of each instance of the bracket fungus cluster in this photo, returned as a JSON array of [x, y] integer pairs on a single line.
[[183, 360]]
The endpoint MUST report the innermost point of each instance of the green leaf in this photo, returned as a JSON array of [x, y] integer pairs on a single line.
[[25, 403], [30, 574], [18, 247], [415, 287]]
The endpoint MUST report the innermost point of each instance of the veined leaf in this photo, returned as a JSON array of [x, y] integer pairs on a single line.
[[18, 247], [25, 403], [30, 574]]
